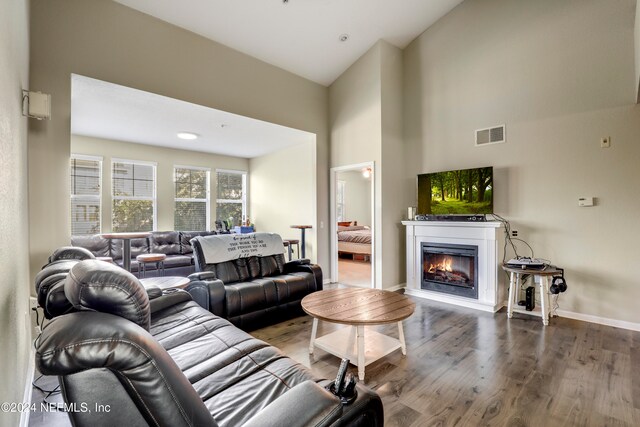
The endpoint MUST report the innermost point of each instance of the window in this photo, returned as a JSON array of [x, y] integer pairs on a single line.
[[340, 214], [231, 201], [85, 194], [192, 198], [134, 196]]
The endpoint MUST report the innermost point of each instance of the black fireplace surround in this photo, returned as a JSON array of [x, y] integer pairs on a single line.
[[450, 269]]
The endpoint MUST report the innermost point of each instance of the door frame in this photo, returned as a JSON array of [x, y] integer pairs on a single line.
[[334, 226]]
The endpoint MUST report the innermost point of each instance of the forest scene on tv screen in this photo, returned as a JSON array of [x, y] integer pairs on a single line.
[[468, 191]]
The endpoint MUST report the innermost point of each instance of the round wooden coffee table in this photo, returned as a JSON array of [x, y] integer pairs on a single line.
[[358, 308]]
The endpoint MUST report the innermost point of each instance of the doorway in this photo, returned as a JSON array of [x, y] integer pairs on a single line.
[[352, 225]]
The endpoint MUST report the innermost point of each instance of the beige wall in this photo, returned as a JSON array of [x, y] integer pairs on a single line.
[[166, 159], [637, 46], [281, 187], [365, 109], [560, 75], [397, 186], [15, 335], [108, 41], [355, 114], [357, 198]]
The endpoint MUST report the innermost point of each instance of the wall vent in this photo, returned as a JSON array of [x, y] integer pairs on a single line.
[[493, 135]]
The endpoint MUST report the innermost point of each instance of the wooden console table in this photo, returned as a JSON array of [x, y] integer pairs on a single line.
[[515, 275]]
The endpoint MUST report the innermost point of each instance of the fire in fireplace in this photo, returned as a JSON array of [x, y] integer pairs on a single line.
[[450, 269]]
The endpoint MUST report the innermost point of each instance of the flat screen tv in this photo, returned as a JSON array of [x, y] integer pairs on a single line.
[[456, 192]]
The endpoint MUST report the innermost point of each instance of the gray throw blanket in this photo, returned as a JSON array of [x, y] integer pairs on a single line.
[[226, 247]]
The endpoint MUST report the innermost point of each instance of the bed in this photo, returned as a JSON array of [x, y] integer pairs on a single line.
[[354, 240]]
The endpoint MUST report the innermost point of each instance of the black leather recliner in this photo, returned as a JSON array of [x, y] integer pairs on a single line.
[[49, 281], [125, 359]]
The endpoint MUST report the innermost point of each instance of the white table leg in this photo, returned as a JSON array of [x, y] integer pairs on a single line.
[[361, 352], [314, 332], [544, 299], [512, 286], [403, 345]]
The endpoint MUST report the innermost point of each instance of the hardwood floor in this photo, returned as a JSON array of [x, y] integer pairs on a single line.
[[354, 273], [468, 368]]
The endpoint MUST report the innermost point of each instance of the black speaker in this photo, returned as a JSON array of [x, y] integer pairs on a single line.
[[558, 285], [530, 298]]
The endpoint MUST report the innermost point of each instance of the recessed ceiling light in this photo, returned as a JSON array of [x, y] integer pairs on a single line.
[[343, 37], [187, 135]]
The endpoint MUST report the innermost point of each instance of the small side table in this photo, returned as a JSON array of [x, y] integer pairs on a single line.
[[515, 277], [126, 244], [302, 229]]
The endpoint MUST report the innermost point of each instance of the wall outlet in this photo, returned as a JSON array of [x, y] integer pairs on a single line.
[[33, 303], [514, 233], [605, 142]]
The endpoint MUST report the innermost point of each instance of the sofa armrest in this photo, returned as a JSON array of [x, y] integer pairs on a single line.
[[169, 298], [306, 404], [202, 275], [215, 288], [304, 265], [296, 262]]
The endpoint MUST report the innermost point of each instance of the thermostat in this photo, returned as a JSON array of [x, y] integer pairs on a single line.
[[585, 201]]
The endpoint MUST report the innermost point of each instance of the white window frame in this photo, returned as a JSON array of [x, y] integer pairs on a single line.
[[340, 203], [73, 197], [245, 191], [154, 198], [182, 199]]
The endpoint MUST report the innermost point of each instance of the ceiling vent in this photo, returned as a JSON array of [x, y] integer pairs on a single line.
[[494, 135]]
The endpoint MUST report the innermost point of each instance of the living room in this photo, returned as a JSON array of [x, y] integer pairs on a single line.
[[559, 75]]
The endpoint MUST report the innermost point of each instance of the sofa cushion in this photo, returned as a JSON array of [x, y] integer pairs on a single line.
[[97, 245], [271, 265], [235, 374], [138, 247], [185, 240], [177, 261], [293, 287], [165, 242], [247, 297], [225, 271]]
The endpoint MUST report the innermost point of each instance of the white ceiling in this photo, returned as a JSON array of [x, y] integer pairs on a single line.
[[301, 36], [106, 110]]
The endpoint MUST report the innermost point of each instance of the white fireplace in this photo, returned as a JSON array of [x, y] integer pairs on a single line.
[[485, 275]]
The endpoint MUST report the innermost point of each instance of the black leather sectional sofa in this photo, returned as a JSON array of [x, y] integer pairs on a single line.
[[174, 244], [152, 358]]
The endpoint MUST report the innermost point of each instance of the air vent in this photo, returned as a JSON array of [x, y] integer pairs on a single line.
[[492, 135]]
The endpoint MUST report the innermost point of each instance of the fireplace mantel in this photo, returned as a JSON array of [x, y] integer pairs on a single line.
[[487, 236]]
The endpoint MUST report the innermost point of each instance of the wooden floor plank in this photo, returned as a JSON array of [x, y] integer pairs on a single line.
[[469, 368]]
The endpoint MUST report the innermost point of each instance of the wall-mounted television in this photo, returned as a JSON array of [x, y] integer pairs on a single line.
[[456, 192]]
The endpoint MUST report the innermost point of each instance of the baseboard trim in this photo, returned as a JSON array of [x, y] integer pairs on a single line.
[[396, 287], [327, 281], [28, 387], [623, 324]]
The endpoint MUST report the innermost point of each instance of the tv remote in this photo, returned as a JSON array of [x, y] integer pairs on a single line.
[[342, 371]]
